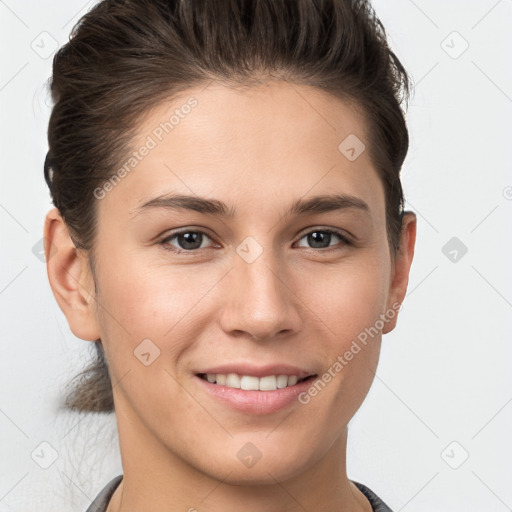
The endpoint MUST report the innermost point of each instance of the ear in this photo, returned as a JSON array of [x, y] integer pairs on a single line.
[[401, 268], [70, 278]]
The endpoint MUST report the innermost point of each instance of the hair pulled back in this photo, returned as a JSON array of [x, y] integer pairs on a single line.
[[124, 57]]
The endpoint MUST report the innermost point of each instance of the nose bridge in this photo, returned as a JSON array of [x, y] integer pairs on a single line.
[[260, 301]]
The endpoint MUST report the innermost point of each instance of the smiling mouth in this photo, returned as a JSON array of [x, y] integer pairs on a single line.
[[251, 383]]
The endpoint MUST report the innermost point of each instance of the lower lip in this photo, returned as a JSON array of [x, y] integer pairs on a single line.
[[255, 402]]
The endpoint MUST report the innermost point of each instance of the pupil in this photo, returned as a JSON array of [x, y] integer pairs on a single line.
[[322, 235], [317, 239], [190, 238]]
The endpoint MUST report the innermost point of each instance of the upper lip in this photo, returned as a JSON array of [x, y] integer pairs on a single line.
[[257, 371]]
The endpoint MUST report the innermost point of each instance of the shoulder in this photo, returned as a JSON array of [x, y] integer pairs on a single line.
[[101, 501], [377, 504]]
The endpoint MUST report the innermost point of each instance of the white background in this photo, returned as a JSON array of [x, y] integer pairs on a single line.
[[444, 374]]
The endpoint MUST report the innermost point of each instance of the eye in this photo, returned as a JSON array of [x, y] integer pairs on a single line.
[[188, 241], [321, 238]]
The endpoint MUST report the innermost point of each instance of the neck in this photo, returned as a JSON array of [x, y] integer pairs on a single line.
[[155, 479]]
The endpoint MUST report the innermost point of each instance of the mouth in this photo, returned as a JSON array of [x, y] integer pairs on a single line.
[[253, 383], [252, 389]]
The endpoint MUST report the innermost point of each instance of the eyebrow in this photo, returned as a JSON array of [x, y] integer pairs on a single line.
[[317, 204]]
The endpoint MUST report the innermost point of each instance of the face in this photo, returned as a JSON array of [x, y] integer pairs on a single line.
[[256, 284]]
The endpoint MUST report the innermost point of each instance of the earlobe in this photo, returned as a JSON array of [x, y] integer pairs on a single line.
[[70, 278], [402, 266]]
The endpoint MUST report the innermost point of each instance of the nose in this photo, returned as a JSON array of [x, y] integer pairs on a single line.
[[260, 300]]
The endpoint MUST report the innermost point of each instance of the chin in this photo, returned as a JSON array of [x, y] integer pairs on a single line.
[[250, 466], [261, 474]]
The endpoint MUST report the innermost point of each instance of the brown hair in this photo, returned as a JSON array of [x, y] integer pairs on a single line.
[[124, 57]]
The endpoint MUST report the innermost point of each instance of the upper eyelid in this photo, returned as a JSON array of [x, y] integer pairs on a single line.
[[188, 230], [336, 231]]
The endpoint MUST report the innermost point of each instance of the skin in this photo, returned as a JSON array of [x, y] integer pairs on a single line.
[[258, 150]]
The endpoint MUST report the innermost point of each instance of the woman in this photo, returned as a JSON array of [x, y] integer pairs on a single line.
[[229, 231]]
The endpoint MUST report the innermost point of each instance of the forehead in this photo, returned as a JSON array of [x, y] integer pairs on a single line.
[[274, 141], [273, 117]]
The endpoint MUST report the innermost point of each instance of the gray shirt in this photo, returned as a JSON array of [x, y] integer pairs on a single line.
[[101, 502]]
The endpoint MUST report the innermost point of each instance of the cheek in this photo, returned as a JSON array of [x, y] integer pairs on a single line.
[[348, 298], [148, 318], [153, 309], [348, 311], [151, 300], [348, 306]]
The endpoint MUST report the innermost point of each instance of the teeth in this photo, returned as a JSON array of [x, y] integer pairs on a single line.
[[292, 380], [248, 382], [268, 383], [232, 380], [282, 381]]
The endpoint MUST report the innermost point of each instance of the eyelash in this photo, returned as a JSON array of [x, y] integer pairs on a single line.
[[168, 247]]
